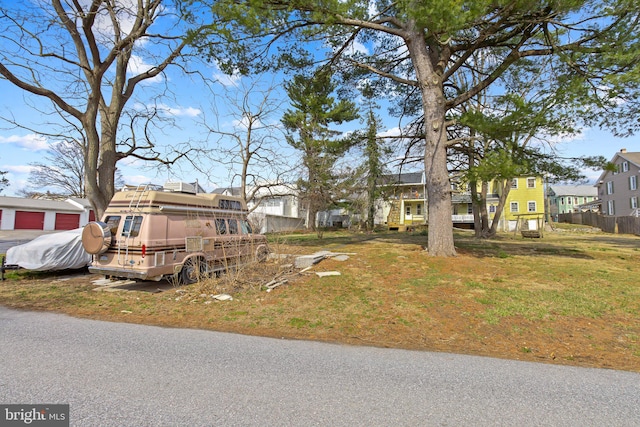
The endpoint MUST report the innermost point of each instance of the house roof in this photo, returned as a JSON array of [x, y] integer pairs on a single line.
[[235, 191], [573, 190], [42, 204], [633, 157], [403, 178]]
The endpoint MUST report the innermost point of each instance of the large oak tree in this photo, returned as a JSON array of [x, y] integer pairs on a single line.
[[85, 59]]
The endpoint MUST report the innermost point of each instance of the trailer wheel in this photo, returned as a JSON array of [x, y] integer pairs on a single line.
[[193, 270]]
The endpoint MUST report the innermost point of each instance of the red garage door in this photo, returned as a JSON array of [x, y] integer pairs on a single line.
[[67, 221], [29, 220]]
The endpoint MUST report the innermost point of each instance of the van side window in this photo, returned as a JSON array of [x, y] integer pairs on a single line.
[[233, 226], [246, 228], [131, 227], [113, 221], [221, 226]]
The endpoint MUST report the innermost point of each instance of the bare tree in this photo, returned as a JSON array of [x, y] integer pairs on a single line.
[[87, 62], [3, 180], [62, 168], [248, 141]]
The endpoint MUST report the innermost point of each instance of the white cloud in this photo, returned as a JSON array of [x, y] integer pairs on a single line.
[[357, 47], [126, 11], [15, 186], [390, 132], [179, 111], [373, 8], [137, 66], [31, 142], [225, 79], [19, 169], [244, 123], [136, 179]]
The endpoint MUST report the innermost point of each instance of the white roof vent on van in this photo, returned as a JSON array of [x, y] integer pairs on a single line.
[[180, 187]]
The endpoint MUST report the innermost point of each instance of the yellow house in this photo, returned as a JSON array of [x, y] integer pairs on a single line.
[[524, 207]]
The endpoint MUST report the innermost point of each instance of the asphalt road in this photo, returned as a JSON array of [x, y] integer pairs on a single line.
[[115, 374]]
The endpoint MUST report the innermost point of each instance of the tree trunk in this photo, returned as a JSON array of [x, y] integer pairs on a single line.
[[476, 203], [484, 215], [440, 238], [501, 202], [480, 214]]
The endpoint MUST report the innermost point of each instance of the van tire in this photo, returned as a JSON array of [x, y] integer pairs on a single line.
[[193, 270]]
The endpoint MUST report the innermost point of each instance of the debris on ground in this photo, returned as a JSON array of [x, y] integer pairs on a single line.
[[222, 297], [304, 261], [327, 273], [266, 276]]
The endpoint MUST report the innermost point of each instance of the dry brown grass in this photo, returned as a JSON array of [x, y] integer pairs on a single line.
[[571, 297]]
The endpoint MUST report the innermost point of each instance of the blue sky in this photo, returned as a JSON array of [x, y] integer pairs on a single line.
[[19, 148], [188, 107]]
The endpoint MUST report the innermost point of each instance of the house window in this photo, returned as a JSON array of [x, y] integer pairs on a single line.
[[531, 183], [575, 200], [492, 209], [634, 202], [562, 200], [625, 166], [531, 206], [418, 209], [514, 206], [609, 187], [633, 182], [408, 210], [610, 207], [469, 208], [514, 183]]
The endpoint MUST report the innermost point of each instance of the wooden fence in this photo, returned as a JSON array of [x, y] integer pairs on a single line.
[[608, 224]]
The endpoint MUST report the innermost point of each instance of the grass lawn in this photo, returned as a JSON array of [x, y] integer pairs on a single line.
[[572, 297]]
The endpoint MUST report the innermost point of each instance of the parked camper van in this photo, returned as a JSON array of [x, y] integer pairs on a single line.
[[151, 233]]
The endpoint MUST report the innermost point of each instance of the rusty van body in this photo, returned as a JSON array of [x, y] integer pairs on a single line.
[[149, 234]]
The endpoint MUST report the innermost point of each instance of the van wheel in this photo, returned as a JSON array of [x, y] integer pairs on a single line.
[[192, 271]]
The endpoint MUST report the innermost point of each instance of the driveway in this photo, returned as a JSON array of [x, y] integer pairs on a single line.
[[116, 374]]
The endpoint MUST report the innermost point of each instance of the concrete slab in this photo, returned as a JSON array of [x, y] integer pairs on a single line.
[[304, 261]]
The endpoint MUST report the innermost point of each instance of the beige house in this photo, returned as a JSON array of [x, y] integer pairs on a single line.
[[618, 190]]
